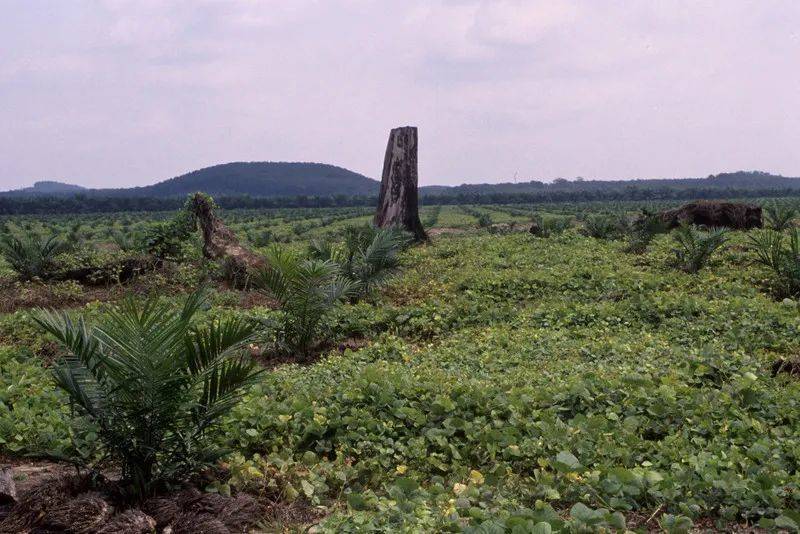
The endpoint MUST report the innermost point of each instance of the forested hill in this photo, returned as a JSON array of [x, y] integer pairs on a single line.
[[257, 179]]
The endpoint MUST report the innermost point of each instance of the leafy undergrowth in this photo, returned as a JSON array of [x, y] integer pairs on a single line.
[[513, 384]]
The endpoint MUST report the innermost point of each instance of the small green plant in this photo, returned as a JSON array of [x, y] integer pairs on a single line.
[[549, 225], [643, 230], [779, 215], [367, 257], [601, 226], [484, 220], [153, 384], [126, 241], [675, 524], [306, 289], [31, 256], [694, 247], [780, 253]]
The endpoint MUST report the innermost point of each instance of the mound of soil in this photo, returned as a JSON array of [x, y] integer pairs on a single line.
[[70, 503], [714, 213]]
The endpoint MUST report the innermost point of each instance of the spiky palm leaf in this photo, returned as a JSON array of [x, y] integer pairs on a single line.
[[781, 254], [31, 256], [378, 261], [367, 256], [779, 216], [152, 382], [643, 230], [306, 289], [695, 247]]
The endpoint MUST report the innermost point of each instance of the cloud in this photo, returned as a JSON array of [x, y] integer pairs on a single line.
[[123, 92]]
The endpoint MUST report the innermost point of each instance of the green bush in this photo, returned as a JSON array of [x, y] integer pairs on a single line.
[[153, 384], [368, 256], [780, 253], [306, 289], [601, 226], [31, 256], [694, 247], [779, 215], [549, 225], [484, 220], [642, 232]]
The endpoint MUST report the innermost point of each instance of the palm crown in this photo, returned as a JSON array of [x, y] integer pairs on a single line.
[[153, 383]]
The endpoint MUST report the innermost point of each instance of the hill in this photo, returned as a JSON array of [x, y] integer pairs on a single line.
[[257, 179], [48, 187]]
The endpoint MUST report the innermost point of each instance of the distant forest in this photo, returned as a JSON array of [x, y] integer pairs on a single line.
[[735, 185]]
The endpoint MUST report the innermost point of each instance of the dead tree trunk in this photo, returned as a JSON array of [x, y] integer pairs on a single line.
[[219, 242], [398, 201], [8, 490]]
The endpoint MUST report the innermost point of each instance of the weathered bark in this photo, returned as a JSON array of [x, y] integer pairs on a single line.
[[398, 201], [219, 242], [714, 213], [8, 489]]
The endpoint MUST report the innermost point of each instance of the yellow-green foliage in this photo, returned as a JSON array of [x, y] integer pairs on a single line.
[[517, 384]]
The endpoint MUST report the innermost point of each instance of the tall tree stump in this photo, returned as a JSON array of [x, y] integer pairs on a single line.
[[398, 201]]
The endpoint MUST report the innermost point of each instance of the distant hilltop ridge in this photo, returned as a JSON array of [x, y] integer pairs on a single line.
[[293, 179]]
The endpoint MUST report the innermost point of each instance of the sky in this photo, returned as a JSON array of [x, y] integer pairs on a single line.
[[122, 93]]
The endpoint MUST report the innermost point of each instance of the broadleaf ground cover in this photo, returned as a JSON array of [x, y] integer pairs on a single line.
[[508, 383]]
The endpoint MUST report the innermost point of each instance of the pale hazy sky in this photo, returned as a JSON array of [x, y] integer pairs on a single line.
[[118, 93]]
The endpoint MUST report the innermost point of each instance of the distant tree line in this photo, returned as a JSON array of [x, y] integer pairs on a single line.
[[80, 203]]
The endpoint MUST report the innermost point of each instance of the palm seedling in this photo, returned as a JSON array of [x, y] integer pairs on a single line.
[[153, 384], [693, 247], [779, 216], [549, 225], [31, 256], [306, 290], [601, 226], [367, 257], [643, 230], [780, 253]]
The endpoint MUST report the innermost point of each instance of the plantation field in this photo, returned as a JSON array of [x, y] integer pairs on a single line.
[[498, 381]]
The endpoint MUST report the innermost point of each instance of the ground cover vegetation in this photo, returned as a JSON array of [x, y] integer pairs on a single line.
[[594, 373]]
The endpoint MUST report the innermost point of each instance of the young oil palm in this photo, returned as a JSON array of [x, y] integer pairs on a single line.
[[780, 253], [367, 257], [31, 256], [306, 289], [152, 383], [643, 230], [695, 247], [779, 216]]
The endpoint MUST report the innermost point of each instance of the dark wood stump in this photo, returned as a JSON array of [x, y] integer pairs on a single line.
[[398, 200]]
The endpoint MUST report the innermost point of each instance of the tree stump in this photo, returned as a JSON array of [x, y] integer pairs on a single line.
[[219, 241], [398, 200], [8, 490]]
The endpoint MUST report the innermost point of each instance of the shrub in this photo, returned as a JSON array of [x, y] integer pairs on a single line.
[[781, 256], [306, 289], [153, 384], [779, 216], [31, 256], [367, 257], [484, 220], [126, 241], [642, 232], [601, 226], [695, 247], [546, 226]]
